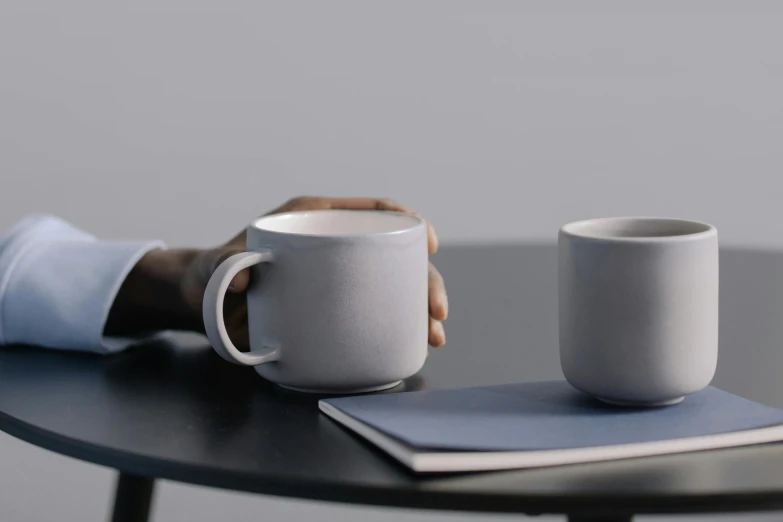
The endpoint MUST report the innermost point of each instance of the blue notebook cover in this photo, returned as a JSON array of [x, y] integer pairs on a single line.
[[545, 416]]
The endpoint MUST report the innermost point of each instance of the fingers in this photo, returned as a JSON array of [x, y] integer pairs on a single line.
[[439, 302], [437, 335], [439, 307], [322, 203], [389, 205], [325, 203]]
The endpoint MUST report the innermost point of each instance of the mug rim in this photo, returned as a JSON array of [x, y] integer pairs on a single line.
[[572, 230], [419, 223]]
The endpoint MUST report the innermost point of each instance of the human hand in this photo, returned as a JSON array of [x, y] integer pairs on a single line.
[[201, 265]]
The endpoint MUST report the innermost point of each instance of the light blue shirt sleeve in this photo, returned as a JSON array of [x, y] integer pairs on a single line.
[[58, 283]]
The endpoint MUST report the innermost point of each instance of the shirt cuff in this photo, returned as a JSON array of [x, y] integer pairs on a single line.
[[58, 284]]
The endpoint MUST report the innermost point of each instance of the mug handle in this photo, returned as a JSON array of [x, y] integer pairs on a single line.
[[212, 309]]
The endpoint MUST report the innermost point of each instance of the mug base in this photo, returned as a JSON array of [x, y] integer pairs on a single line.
[[326, 391], [636, 404]]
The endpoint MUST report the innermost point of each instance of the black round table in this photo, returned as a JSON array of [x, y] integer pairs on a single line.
[[175, 410]]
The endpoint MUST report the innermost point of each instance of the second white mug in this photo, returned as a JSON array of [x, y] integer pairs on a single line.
[[638, 308]]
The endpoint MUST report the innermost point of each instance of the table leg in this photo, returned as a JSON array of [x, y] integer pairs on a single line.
[[133, 498]]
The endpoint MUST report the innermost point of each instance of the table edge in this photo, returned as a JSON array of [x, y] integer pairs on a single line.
[[370, 495]]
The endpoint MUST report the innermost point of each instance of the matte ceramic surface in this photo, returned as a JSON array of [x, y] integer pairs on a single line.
[[638, 304], [341, 301]]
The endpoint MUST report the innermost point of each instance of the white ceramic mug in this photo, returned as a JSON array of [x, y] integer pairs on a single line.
[[638, 305], [342, 306]]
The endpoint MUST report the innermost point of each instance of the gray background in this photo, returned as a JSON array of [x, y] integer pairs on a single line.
[[500, 120]]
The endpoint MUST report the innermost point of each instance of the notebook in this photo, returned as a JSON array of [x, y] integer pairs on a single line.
[[544, 424]]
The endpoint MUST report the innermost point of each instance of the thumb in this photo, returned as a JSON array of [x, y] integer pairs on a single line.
[[214, 259], [240, 282]]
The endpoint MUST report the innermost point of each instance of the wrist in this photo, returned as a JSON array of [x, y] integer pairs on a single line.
[[151, 298]]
